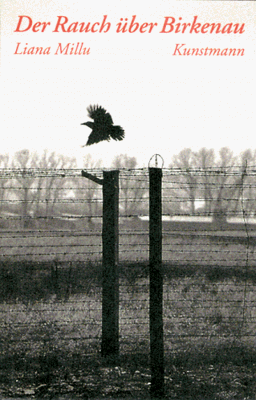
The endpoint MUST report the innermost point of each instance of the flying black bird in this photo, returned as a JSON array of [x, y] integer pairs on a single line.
[[103, 127]]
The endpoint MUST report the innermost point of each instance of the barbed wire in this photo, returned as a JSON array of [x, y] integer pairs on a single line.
[[185, 297], [76, 172]]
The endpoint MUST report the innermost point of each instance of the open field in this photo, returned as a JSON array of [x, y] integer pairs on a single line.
[[226, 248], [50, 313], [50, 332]]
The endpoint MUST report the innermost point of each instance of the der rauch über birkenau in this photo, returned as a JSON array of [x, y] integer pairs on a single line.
[[126, 25]]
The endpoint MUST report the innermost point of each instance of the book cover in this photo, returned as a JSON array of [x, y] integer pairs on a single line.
[[97, 85]]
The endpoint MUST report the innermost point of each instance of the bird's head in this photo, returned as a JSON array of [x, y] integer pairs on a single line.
[[89, 124]]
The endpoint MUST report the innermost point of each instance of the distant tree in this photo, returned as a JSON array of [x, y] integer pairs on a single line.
[[133, 185], [24, 160], [4, 163], [246, 190], [50, 188], [205, 161], [185, 161], [88, 191]]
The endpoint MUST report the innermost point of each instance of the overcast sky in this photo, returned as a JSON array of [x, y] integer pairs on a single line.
[[164, 102]]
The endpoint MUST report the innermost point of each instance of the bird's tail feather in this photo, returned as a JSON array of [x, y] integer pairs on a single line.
[[117, 133]]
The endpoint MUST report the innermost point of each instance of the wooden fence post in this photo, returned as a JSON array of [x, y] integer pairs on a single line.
[[110, 289], [156, 283], [110, 241]]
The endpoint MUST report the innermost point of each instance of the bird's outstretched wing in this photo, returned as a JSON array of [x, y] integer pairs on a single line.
[[100, 115]]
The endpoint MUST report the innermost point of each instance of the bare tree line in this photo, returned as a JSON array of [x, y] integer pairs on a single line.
[[40, 197], [221, 181], [28, 196]]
